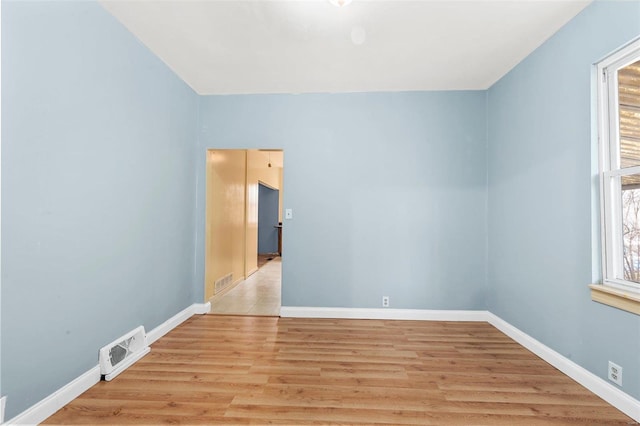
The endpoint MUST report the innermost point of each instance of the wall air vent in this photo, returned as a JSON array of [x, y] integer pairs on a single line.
[[122, 353], [223, 282]]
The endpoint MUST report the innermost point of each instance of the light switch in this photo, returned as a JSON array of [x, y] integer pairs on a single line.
[[288, 213]]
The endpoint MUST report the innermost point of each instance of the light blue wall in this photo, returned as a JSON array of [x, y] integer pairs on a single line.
[[101, 172], [540, 196], [98, 192], [388, 192]]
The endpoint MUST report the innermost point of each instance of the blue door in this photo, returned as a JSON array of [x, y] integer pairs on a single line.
[[268, 201]]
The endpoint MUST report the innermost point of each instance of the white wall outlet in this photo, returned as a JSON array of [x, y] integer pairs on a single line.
[[3, 402], [615, 373], [288, 213], [385, 301]]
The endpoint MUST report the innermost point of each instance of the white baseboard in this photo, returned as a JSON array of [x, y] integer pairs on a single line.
[[605, 390], [3, 403], [384, 313], [614, 396], [176, 320], [40, 411], [201, 308]]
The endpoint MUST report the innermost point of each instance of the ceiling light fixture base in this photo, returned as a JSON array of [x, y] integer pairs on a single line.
[[340, 3]]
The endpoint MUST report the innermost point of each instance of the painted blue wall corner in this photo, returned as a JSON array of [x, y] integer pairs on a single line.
[[389, 191], [98, 186], [541, 219]]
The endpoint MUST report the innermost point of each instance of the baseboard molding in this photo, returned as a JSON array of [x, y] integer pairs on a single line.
[[201, 308], [614, 396], [176, 320], [605, 390], [40, 411], [3, 402], [385, 313]]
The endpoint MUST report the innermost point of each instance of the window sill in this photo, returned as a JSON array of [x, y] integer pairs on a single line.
[[625, 300]]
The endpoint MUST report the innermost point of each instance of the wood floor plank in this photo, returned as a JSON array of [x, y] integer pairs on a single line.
[[259, 370]]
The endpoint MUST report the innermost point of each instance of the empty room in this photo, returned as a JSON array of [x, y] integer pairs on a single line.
[[455, 211]]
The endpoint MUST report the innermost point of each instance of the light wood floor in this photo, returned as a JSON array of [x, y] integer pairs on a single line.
[[238, 370], [264, 258], [257, 295]]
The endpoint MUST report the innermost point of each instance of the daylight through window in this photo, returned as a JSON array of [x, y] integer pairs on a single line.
[[619, 135]]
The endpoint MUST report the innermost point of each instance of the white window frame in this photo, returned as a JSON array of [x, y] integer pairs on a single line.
[[610, 171]]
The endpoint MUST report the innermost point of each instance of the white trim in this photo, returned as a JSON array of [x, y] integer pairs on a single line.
[[622, 285], [40, 411], [605, 390], [43, 409], [201, 308], [627, 171], [137, 347], [176, 320], [610, 169], [126, 364], [620, 54], [3, 403], [614, 396], [387, 314]]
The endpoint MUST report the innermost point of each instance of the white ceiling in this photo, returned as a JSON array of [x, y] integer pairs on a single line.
[[238, 47]]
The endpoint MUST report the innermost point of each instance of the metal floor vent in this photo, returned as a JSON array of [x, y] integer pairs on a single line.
[[221, 283], [123, 352]]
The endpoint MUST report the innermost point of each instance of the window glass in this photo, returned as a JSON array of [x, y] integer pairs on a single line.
[[619, 143], [629, 114], [630, 186]]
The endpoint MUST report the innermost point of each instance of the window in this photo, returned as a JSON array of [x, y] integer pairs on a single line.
[[619, 138]]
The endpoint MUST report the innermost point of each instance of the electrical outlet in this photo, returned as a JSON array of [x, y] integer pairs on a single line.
[[615, 373], [385, 301]]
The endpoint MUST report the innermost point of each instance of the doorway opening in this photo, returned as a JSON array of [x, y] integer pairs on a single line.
[[243, 219], [269, 225]]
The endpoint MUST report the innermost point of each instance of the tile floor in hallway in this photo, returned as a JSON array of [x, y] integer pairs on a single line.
[[257, 295]]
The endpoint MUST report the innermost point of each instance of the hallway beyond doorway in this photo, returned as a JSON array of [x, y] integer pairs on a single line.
[[257, 295]]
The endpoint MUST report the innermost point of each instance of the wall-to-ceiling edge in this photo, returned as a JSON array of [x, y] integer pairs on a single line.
[[543, 197], [536, 123], [98, 192]]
